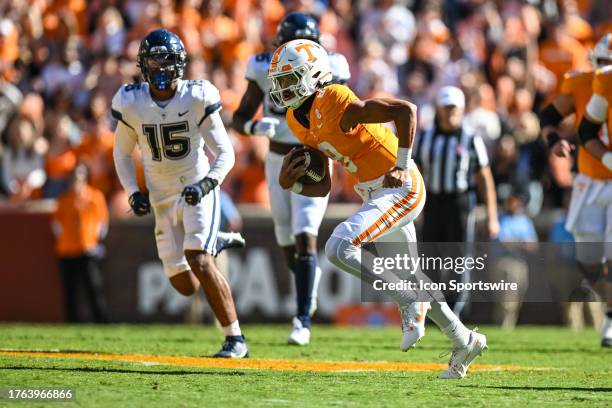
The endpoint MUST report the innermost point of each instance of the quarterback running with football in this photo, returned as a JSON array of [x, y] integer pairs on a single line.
[[330, 118], [296, 218], [172, 120], [589, 218]]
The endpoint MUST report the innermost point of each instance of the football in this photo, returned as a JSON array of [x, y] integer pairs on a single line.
[[316, 163]]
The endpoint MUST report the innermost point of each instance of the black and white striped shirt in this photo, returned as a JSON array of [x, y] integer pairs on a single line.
[[449, 161]]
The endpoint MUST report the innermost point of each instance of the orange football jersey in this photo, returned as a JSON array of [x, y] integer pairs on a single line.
[[580, 85], [368, 151], [602, 85]]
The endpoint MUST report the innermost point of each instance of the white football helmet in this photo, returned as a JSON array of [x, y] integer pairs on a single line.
[[296, 70], [602, 51]]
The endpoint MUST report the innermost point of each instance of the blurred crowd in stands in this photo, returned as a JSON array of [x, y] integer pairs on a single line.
[[61, 61]]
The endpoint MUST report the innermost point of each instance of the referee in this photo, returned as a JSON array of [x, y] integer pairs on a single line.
[[454, 164]]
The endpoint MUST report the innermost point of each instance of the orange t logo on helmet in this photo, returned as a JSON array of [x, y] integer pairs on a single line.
[[275, 59], [306, 47]]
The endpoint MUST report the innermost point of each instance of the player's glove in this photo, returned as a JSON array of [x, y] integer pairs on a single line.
[[264, 127], [140, 203], [193, 194]]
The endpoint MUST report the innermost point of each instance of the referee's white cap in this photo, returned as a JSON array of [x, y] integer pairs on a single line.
[[450, 96]]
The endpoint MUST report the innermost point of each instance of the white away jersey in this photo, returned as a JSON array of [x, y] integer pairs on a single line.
[[169, 137], [257, 71]]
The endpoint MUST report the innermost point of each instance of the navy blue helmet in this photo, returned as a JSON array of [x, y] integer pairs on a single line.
[[161, 58], [297, 26]]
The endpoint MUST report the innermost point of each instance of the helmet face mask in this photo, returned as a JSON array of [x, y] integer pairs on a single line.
[[289, 89], [296, 70], [601, 54], [602, 62], [161, 59], [162, 69]]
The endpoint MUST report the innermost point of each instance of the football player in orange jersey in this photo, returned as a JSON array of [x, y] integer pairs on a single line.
[[598, 116], [587, 217], [330, 118]]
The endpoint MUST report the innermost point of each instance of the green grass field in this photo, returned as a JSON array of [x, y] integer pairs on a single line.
[[558, 367]]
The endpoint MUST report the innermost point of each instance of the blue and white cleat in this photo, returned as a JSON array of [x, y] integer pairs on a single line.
[[228, 240], [233, 347], [462, 357]]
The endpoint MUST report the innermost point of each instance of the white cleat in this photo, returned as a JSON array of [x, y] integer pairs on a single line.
[[606, 334], [413, 323], [300, 336], [462, 357]]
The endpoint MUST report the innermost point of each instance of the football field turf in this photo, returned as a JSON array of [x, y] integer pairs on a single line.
[[161, 366]]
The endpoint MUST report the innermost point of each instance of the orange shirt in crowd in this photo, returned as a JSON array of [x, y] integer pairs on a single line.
[[253, 188], [96, 151], [78, 221], [59, 166], [74, 11], [9, 44]]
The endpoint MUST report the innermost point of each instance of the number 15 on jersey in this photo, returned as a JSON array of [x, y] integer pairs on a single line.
[[172, 145]]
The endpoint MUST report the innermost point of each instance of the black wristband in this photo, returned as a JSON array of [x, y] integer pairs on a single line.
[[588, 130], [550, 116], [252, 127], [552, 139]]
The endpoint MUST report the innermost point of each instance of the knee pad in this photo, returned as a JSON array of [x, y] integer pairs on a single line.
[[332, 250], [343, 254]]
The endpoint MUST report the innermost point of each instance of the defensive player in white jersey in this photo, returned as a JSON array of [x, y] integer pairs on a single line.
[[594, 133], [296, 218], [171, 120]]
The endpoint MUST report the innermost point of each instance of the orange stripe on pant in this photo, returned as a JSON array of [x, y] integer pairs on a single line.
[[389, 213], [402, 214], [380, 222]]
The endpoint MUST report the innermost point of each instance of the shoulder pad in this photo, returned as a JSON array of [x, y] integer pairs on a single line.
[[257, 66], [122, 100], [339, 67], [211, 99], [126, 95], [263, 57], [202, 90]]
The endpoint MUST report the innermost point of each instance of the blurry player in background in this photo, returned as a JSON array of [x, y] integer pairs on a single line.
[[330, 118], [594, 133], [296, 218], [590, 213], [171, 120]]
